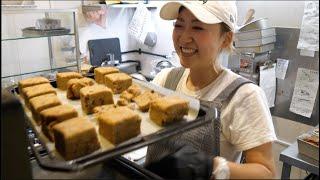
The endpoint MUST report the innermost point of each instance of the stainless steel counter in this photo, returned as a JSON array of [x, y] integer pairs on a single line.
[[291, 157]]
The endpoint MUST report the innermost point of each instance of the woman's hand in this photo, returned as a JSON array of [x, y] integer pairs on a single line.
[[259, 164], [186, 163]]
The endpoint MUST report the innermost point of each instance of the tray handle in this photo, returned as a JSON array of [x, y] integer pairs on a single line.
[[47, 162]]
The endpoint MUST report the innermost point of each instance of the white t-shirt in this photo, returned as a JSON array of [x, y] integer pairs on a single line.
[[246, 121]]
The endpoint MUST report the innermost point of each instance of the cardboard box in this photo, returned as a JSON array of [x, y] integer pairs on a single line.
[[306, 148]]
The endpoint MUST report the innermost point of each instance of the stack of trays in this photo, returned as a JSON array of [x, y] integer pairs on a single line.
[[255, 37], [254, 42]]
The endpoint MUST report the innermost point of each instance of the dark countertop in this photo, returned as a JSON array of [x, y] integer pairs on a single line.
[[118, 168]]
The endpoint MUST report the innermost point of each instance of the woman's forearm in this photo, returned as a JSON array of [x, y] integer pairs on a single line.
[[250, 171]]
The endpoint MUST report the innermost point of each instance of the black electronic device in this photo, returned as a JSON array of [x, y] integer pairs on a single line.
[[100, 48]]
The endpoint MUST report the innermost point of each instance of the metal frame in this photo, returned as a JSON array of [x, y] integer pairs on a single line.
[[50, 47], [75, 19], [51, 57], [22, 11]]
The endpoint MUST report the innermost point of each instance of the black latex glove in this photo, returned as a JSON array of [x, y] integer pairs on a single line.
[[185, 163]]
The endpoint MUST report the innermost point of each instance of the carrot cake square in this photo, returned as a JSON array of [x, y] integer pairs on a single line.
[[96, 95], [144, 99], [168, 109], [100, 72], [118, 82], [54, 115], [64, 77], [40, 103], [119, 124], [74, 86], [75, 137], [31, 82]]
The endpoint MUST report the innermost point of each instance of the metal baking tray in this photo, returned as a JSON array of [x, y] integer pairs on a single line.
[[196, 117], [33, 32], [258, 24]]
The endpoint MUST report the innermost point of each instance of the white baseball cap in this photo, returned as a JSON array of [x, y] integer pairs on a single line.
[[209, 12]]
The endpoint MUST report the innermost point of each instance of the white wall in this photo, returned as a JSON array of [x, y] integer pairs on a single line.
[[280, 13], [164, 44]]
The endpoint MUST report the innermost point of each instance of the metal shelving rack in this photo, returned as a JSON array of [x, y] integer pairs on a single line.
[[93, 7], [47, 13]]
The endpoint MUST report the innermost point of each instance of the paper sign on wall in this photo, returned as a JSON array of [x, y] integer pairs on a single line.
[[138, 23], [281, 69], [305, 52], [305, 92], [309, 31], [141, 27], [268, 82]]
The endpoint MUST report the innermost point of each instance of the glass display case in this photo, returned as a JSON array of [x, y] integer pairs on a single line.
[[28, 50]]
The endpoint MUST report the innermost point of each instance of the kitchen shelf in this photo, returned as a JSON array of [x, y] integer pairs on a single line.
[[35, 36], [17, 7], [95, 7], [149, 6], [26, 53], [40, 71], [27, 11]]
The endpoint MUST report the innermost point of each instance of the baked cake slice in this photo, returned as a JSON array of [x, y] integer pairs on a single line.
[[119, 124], [74, 86], [118, 82], [64, 77], [51, 116], [75, 137], [144, 99], [31, 82], [37, 90], [100, 72], [166, 110], [96, 95], [40, 103]]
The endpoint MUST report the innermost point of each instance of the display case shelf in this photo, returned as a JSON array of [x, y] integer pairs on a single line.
[[95, 7], [28, 11], [149, 6], [34, 37], [40, 71], [28, 52]]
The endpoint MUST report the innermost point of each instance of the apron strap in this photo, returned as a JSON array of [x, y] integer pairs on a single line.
[[224, 97], [173, 78]]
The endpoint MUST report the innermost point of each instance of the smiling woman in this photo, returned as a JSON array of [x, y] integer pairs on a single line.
[[199, 44], [202, 32]]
